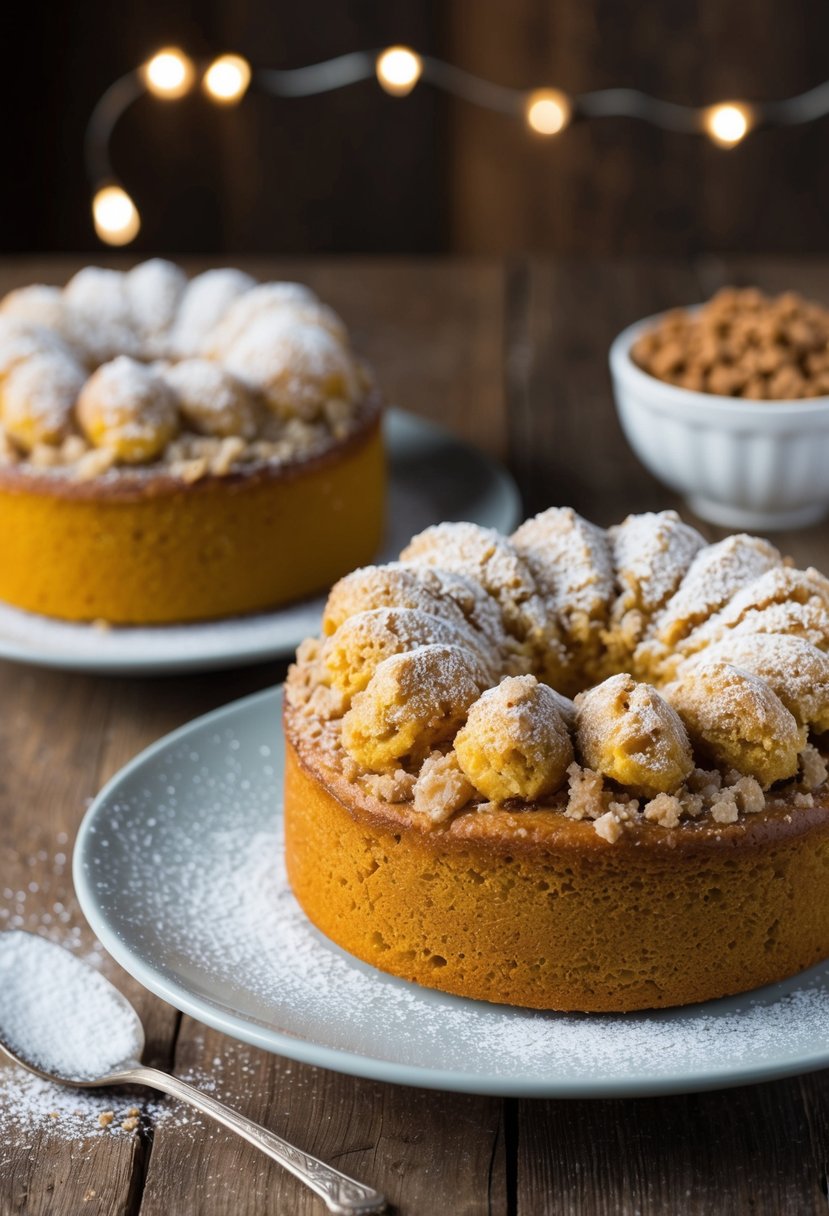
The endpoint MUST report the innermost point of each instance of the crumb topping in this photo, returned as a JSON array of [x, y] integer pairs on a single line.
[[486, 557], [571, 562], [415, 694], [441, 787], [735, 718], [651, 555], [120, 375], [715, 574], [632, 734], [516, 742]]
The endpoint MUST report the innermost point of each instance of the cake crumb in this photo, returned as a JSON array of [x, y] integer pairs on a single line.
[[624, 811], [706, 782], [664, 809], [391, 787], [724, 809], [749, 795], [693, 805], [105, 1118], [586, 799], [813, 767], [441, 788], [327, 703], [608, 827], [129, 1125]]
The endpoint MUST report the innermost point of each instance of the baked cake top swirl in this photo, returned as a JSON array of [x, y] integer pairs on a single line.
[[700, 675], [131, 373]]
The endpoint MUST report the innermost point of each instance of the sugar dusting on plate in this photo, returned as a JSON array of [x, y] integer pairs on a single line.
[[185, 864]]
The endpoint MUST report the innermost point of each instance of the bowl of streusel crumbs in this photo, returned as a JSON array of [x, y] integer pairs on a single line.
[[728, 403]]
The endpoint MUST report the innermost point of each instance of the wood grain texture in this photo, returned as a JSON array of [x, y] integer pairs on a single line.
[[566, 445], [421, 1149], [695, 1154], [513, 357]]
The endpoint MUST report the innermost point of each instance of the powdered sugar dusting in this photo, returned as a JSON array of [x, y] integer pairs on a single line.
[[715, 574], [206, 299], [59, 1014], [570, 559], [193, 880], [154, 289], [484, 555], [651, 553]]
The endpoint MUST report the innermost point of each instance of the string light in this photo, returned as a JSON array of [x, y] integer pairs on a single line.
[[728, 123], [398, 70], [169, 74], [227, 79], [115, 215], [548, 111]]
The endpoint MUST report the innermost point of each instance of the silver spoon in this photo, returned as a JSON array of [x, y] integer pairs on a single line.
[[63, 1021]]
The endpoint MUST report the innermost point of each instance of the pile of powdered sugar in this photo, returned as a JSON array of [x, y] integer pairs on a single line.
[[40, 900], [60, 1014]]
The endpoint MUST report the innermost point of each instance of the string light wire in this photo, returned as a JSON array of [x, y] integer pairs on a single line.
[[398, 70]]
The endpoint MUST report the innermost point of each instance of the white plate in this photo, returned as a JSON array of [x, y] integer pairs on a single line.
[[433, 476], [178, 869]]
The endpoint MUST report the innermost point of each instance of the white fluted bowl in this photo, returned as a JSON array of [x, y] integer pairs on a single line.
[[739, 463]]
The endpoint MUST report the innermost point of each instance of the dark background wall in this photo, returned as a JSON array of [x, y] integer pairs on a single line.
[[359, 171]]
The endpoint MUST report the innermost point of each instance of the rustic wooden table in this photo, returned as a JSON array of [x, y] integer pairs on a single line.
[[512, 357]]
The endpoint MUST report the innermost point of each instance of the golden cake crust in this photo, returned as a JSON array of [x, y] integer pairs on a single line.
[[158, 550], [528, 907]]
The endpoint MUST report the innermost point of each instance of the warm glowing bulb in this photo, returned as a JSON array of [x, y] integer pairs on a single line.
[[116, 216], [227, 79], [169, 74], [548, 111], [398, 70], [728, 123]]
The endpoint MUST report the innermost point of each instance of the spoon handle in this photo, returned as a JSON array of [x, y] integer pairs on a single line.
[[341, 1194]]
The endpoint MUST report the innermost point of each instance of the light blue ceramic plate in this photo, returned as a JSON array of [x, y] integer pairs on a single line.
[[178, 869], [433, 476]]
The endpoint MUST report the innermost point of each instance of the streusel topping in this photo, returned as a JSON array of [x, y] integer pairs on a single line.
[[123, 374], [427, 695]]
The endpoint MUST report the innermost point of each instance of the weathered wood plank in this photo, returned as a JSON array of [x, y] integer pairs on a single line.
[[428, 1152], [566, 444], [743, 1150], [51, 731]]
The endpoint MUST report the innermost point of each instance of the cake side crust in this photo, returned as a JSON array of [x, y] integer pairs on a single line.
[[558, 919], [217, 548]]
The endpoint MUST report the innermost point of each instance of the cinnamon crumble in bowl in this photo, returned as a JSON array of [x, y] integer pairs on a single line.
[[728, 403], [455, 818], [176, 450]]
